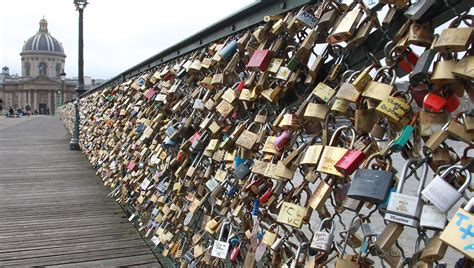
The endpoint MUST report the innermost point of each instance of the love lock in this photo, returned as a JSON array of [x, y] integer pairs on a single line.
[[442, 194]]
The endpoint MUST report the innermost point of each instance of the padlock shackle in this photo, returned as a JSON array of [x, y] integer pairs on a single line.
[[424, 173], [371, 157], [323, 222], [338, 132], [227, 222], [466, 183], [386, 69]]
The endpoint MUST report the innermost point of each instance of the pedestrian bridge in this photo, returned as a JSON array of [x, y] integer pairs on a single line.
[[55, 211]]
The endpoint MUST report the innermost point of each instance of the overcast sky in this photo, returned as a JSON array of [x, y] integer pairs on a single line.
[[117, 34]]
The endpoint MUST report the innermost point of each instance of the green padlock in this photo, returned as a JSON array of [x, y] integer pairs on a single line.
[[293, 63], [398, 143]]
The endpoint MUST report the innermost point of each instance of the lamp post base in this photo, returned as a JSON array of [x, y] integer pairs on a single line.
[[74, 145]]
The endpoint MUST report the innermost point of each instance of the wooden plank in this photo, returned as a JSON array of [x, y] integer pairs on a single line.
[[97, 255], [135, 261], [55, 210]]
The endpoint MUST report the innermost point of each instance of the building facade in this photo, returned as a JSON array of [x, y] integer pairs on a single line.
[[40, 85]]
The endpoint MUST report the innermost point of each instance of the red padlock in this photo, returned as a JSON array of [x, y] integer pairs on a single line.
[[260, 60], [350, 161], [240, 86], [419, 92], [452, 103], [180, 156], [434, 102], [266, 196], [167, 76], [408, 62]]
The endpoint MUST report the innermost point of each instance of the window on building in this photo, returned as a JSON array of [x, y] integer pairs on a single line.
[[27, 69], [58, 70], [43, 67]]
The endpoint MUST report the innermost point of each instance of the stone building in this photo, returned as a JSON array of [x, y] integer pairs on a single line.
[[39, 86]]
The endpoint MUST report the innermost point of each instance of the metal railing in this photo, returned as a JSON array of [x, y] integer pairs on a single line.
[[439, 13]]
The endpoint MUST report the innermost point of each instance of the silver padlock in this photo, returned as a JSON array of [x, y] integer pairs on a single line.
[[297, 260], [368, 230], [441, 193], [432, 218], [278, 242], [323, 240], [403, 208], [220, 248], [417, 9], [188, 257]]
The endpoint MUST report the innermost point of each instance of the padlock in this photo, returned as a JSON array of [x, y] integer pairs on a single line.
[[421, 71], [247, 139], [442, 70], [457, 130], [347, 91], [453, 38], [441, 193], [433, 102], [377, 90], [323, 240], [298, 259], [351, 160], [363, 32], [331, 153], [395, 106], [458, 233], [418, 9], [386, 240], [434, 250], [365, 119], [320, 195], [220, 247], [403, 208], [282, 140], [347, 24], [235, 252], [430, 123], [372, 185], [464, 67], [397, 144], [437, 138], [260, 59], [379, 129], [432, 218]]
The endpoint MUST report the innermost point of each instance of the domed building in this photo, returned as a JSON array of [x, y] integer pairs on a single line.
[[40, 85]]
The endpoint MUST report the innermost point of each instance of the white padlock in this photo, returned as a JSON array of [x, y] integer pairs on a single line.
[[220, 248], [442, 194]]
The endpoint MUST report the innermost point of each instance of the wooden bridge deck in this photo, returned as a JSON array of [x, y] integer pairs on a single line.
[[54, 210]]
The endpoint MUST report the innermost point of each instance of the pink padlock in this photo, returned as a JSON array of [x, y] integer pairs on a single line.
[[282, 140], [235, 253]]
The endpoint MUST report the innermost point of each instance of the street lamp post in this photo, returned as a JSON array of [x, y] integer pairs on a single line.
[[59, 95], [62, 76], [74, 143]]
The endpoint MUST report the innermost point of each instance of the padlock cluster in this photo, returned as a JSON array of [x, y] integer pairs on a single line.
[[229, 153]]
